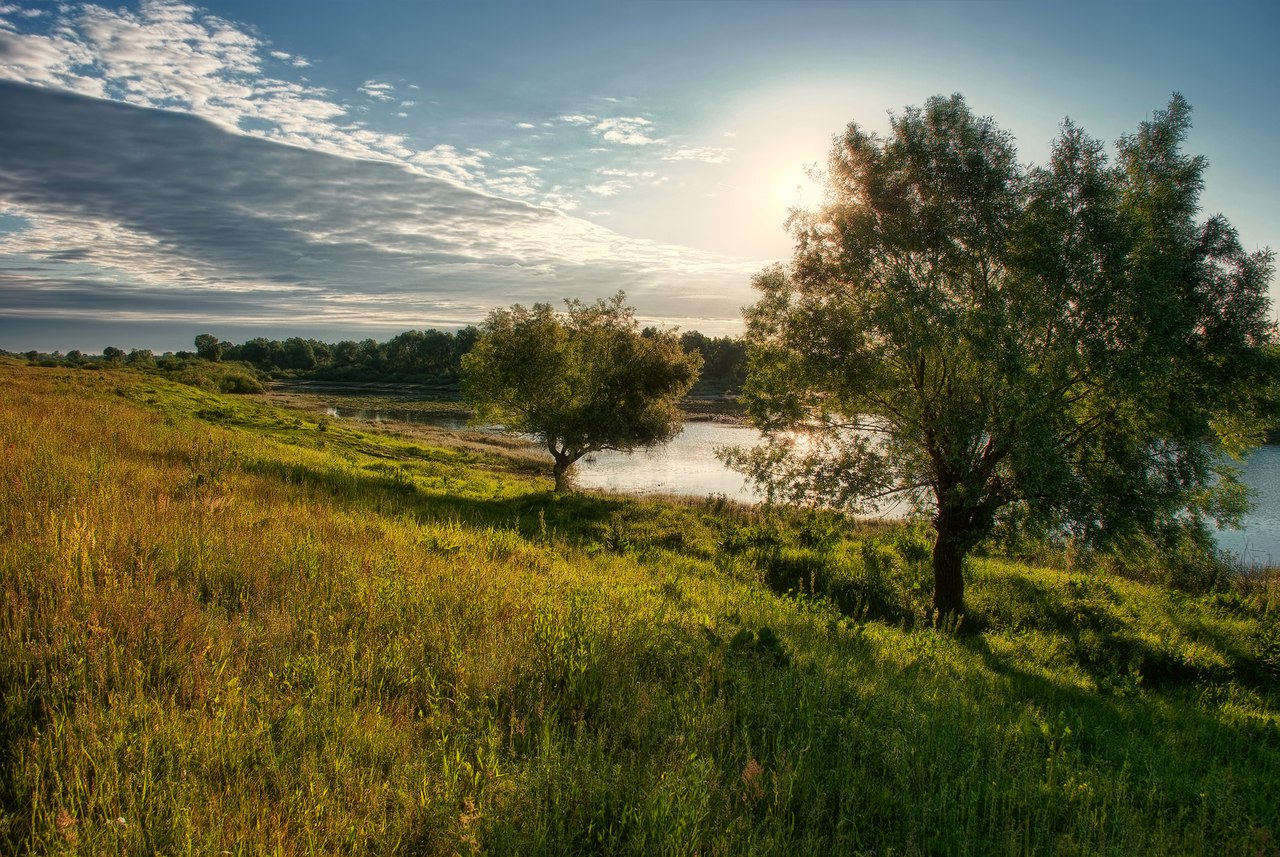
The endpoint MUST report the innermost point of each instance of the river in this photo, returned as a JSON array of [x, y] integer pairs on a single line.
[[1257, 543], [688, 467]]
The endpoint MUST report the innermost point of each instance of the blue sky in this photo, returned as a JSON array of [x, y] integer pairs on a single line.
[[345, 169]]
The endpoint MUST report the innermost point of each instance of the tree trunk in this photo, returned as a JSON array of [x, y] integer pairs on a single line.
[[561, 471], [949, 550]]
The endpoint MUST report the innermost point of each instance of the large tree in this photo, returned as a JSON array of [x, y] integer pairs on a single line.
[[582, 381], [1066, 343]]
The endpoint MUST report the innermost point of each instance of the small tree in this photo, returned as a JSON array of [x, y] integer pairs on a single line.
[[140, 357], [209, 347], [1065, 344], [580, 382]]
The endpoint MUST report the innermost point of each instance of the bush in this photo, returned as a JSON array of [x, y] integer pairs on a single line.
[[240, 383], [214, 377], [1183, 557]]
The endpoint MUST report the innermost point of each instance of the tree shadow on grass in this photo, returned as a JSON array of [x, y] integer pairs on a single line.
[[794, 707], [1103, 642], [392, 491], [1146, 732], [612, 703]]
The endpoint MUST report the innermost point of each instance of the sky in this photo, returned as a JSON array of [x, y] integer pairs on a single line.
[[345, 169]]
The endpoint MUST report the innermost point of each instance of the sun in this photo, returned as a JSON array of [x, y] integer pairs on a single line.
[[795, 187]]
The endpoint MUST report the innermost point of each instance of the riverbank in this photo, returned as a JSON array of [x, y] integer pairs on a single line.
[[419, 399], [232, 627]]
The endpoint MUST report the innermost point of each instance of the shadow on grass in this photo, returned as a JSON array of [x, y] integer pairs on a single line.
[[392, 491], [874, 585], [1102, 642], [1132, 730]]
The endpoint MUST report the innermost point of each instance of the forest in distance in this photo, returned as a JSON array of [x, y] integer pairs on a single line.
[[431, 358]]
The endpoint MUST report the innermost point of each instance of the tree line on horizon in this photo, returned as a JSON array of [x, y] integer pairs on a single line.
[[414, 356]]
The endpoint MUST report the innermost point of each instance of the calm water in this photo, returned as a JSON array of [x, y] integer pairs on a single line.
[[1259, 542], [688, 466]]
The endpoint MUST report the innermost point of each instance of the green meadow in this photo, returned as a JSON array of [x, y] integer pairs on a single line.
[[231, 628]]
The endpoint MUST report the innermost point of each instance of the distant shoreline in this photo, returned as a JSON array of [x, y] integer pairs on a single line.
[[391, 396]]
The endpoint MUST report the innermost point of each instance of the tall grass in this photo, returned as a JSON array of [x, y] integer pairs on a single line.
[[230, 628]]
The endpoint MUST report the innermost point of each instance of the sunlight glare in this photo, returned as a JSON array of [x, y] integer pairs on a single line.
[[795, 188]]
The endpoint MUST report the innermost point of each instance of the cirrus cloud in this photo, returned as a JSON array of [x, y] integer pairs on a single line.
[[627, 130], [705, 154]]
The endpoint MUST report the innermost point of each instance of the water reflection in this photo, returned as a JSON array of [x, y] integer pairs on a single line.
[[687, 466]]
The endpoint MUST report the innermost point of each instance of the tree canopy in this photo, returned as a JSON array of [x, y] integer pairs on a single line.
[[582, 381], [1062, 343], [209, 347]]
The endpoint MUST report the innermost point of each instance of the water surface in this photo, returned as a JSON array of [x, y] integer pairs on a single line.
[[687, 466], [452, 421], [1258, 543]]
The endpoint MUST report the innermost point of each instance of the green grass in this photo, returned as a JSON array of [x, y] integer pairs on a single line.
[[232, 628]]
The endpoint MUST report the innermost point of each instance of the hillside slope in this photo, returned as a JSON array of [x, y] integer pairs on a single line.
[[232, 628]]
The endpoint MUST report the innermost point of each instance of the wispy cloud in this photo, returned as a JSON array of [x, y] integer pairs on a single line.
[[165, 208], [378, 91], [295, 61], [355, 222], [444, 161], [609, 188], [627, 174], [10, 9], [705, 154], [627, 130], [178, 57]]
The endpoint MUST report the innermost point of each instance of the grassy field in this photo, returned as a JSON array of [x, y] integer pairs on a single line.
[[229, 628]]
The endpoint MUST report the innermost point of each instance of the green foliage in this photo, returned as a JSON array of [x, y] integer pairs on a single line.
[[141, 358], [208, 347], [412, 356], [1180, 556], [218, 377], [880, 576], [581, 382], [430, 360], [724, 363], [1063, 344]]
